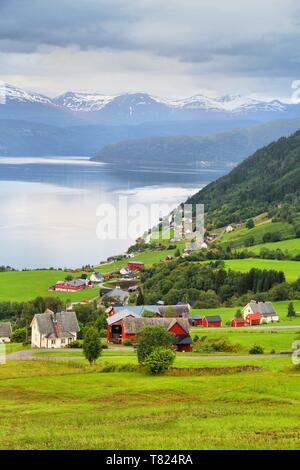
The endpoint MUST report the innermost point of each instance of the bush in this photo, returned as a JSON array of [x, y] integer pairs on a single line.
[[159, 360], [19, 335], [75, 344], [150, 338], [103, 333], [256, 349], [104, 346], [221, 344], [127, 342]]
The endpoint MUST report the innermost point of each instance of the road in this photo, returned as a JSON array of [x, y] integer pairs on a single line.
[[32, 354]]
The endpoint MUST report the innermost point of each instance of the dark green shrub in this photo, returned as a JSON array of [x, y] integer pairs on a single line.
[[159, 360], [256, 349]]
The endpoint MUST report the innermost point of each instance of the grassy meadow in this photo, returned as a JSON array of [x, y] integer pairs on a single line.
[[59, 405], [291, 269]]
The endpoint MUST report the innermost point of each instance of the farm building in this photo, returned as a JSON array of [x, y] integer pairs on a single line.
[[237, 322], [117, 296], [196, 320], [135, 265], [212, 321], [5, 332], [74, 285], [131, 325], [266, 311], [252, 319], [53, 330], [181, 311]]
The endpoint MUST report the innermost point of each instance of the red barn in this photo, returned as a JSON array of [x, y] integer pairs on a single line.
[[237, 322], [70, 286], [196, 320], [126, 325], [253, 319], [135, 265], [212, 321]]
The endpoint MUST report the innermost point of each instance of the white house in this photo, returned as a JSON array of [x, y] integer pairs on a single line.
[[265, 309], [5, 332], [53, 330], [229, 229], [96, 278]]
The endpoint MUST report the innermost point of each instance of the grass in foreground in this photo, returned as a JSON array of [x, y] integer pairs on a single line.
[[48, 405]]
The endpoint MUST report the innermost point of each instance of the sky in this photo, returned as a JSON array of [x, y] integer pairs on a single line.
[[169, 48]]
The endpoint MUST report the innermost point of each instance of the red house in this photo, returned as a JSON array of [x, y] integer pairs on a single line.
[[253, 319], [237, 322], [212, 321], [70, 286], [135, 265]]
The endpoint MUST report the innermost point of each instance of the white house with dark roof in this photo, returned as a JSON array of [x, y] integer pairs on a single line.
[[5, 332], [53, 330], [266, 311]]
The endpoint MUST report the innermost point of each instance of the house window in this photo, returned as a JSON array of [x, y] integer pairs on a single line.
[[53, 342], [63, 341]]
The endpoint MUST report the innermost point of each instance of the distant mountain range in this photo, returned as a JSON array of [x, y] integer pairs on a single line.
[[84, 124], [132, 108], [224, 149]]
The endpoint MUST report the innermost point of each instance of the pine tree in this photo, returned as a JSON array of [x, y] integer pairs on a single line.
[[140, 298], [291, 310]]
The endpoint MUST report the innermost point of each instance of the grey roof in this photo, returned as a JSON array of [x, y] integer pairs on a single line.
[[119, 294], [120, 316], [73, 282], [57, 325], [139, 310], [134, 325], [213, 318], [266, 309], [5, 330], [196, 317], [183, 339]]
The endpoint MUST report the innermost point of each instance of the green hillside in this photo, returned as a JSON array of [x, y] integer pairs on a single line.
[[262, 183]]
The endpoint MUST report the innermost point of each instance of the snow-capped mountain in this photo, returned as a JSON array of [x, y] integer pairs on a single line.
[[12, 93], [83, 101], [136, 108]]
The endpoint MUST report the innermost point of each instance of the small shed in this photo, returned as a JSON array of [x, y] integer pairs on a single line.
[[214, 321], [135, 265], [238, 322], [196, 320]]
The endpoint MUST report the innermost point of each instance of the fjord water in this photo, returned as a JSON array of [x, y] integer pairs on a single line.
[[48, 206]]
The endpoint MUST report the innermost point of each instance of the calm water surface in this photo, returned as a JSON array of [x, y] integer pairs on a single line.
[[48, 207]]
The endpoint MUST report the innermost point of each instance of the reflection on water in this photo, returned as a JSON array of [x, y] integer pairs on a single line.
[[48, 206]]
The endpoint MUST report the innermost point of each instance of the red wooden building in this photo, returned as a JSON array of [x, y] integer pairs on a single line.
[[127, 326], [212, 321], [253, 319], [196, 320], [238, 322], [70, 286], [135, 265]]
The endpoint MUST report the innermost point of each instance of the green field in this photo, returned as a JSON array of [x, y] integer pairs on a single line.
[[291, 269], [290, 247], [26, 285], [52, 405], [227, 313], [238, 237]]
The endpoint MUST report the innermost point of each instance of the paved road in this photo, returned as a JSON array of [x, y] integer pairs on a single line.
[[30, 354]]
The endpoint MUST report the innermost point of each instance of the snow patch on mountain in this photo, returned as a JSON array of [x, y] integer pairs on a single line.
[[17, 94]]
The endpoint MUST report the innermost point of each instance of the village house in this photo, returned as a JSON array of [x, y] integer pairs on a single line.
[[5, 332], [53, 330], [130, 325], [116, 296], [214, 321], [196, 320], [135, 265], [96, 278], [74, 285], [262, 311]]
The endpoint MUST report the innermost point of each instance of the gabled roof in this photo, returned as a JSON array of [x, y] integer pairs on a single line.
[[183, 339], [5, 330], [213, 318], [119, 294], [73, 282], [120, 316], [139, 310], [134, 325], [196, 317], [56, 325], [264, 308]]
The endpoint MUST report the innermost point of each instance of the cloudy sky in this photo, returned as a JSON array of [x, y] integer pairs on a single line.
[[170, 48]]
